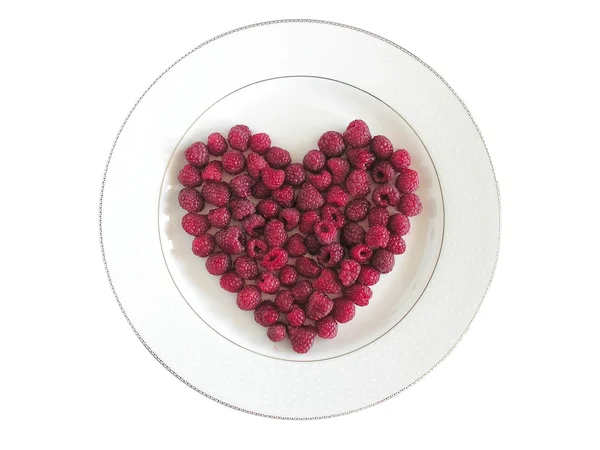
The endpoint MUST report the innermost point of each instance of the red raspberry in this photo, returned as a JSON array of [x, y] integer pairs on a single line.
[[357, 210], [197, 154], [216, 144], [368, 276], [266, 314], [239, 137], [326, 327], [328, 282], [195, 224], [218, 263], [400, 160], [381, 147], [385, 195], [213, 171], [352, 234], [273, 178], [309, 198], [359, 294], [241, 208], [339, 169], [240, 185], [234, 162], [383, 260], [268, 208], [296, 316], [408, 181], [256, 248], [410, 205], [231, 240], [277, 332], [377, 236], [357, 134], [284, 300], [348, 273], [399, 224], [337, 196], [260, 143], [334, 215], [284, 196], [216, 193], [302, 290], [321, 181], [326, 231], [278, 158], [190, 176], [295, 246], [248, 298], [302, 338], [361, 253], [290, 218], [255, 163], [259, 190], [330, 255], [357, 183], [274, 259], [307, 267], [382, 172], [246, 268], [295, 174], [318, 306], [332, 144], [254, 225], [219, 217], [203, 245], [191, 200], [307, 222], [343, 310], [275, 233], [288, 276], [378, 216], [313, 246], [231, 282], [314, 161], [396, 244], [361, 158], [268, 283]]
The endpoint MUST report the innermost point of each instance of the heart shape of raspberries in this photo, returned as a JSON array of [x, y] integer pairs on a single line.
[[290, 239]]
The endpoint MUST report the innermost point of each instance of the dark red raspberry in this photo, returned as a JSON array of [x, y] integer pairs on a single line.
[[330, 255], [382, 172], [383, 260], [396, 244], [337, 196], [278, 158], [295, 246], [274, 259], [195, 224], [216, 193], [239, 137], [248, 298], [359, 294], [381, 147], [399, 224], [302, 290], [332, 144], [268, 283], [256, 248], [339, 169], [218, 263], [307, 267], [273, 178], [216, 144], [296, 316], [266, 314], [326, 327], [231, 240], [357, 134], [408, 181], [268, 208], [302, 337], [203, 245], [284, 196], [277, 332], [361, 253], [259, 190], [288, 276], [219, 217], [246, 268], [368, 276], [357, 183], [378, 216], [314, 161], [400, 160], [295, 174], [213, 171], [307, 222], [410, 205], [309, 198], [313, 246], [197, 154], [191, 200], [318, 306], [357, 210], [275, 233], [321, 181], [255, 164], [361, 158], [352, 234], [190, 176], [241, 208], [328, 282], [234, 162], [343, 310], [284, 300], [385, 195], [231, 282], [377, 236], [348, 272], [254, 225], [326, 231], [240, 185], [290, 218], [335, 215], [260, 143]]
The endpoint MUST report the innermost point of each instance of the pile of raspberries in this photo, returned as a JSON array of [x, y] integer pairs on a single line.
[[300, 244]]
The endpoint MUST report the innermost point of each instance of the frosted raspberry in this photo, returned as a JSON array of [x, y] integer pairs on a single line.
[[318, 306], [288, 276], [326, 327], [352, 234], [309, 198], [382, 172], [191, 200], [231, 240], [197, 154], [330, 255], [381, 147], [216, 144], [302, 290], [361, 158], [203, 245], [295, 174], [368, 276], [256, 248], [407, 181], [246, 268], [339, 169], [268, 208], [296, 316], [254, 225], [277, 332], [248, 298], [284, 196], [326, 231], [216, 193], [400, 160], [295, 246], [231, 282], [260, 143], [385, 195], [359, 294], [268, 283], [357, 210], [357, 134], [284, 300], [274, 259], [313, 246], [378, 216], [396, 244], [239, 137], [357, 183], [399, 224], [328, 282], [278, 158], [259, 190], [275, 233], [273, 178], [190, 176], [343, 310], [361, 253], [213, 171], [195, 224], [302, 338], [240, 185], [307, 222], [332, 144], [377, 236], [410, 205], [266, 314], [241, 208], [218, 263], [337, 196], [314, 161], [348, 272], [333, 214], [255, 163], [307, 267], [290, 218], [383, 260], [321, 181], [234, 162], [219, 217]]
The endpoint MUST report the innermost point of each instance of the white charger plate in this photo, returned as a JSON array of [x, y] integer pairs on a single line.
[[295, 80]]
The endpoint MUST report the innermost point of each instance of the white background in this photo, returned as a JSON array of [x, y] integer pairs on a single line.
[[72, 373]]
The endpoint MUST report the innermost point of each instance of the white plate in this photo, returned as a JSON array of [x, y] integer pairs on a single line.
[[295, 80]]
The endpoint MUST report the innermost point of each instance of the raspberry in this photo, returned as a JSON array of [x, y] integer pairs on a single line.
[[275, 233], [368, 276], [326, 327], [321, 181], [314, 161], [302, 338], [260, 143], [339, 169], [295, 246], [357, 183], [307, 222], [326, 231], [357, 210], [268, 208], [309, 198], [318, 306], [266, 314], [383, 260], [302, 290], [352, 234], [268, 283], [377, 236], [307, 267], [359, 294], [400, 160], [239, 137], [190, 176], [274, 259], [273, 178], [361, 158], [277, 332], [191, 200], [240, 185], [357, 134], [278, 158], [213, 171], [246, 268], [284, 196], [313, 246], [284, 300], [408, 181], [328, 282], [216, 193], [399, 224], [296, 316], [343, 310], [259, 190], [231, 240], [288, 276], [234, 162], [290, 218], [203, 245], [381, 147], [378, 216], [254, 225], [385, 195], [231, 282], [195, 224], [295, 174], [361, 253], [219, 217], [334, 215], [241, 208], [256, 248], [332, 144], [410, 205], [330, 255], [218, 263], [382, 172], [255, 163], [348, 273], [216, 144], [248, 298], [197, 154], [337, 196], [396, 244]]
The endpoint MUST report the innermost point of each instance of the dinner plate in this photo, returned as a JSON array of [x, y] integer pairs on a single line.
[[296, 79]]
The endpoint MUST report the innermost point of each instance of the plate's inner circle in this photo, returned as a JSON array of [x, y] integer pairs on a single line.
[[295, 111]]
